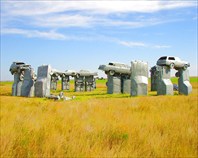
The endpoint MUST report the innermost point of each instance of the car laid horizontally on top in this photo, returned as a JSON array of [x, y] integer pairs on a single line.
[[114, 67], [173, 62]]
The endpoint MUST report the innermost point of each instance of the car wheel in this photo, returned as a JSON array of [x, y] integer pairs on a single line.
[[177, 74], [185, 67], [111, 72], [21, 77], [77, 75], [172, 65], [107, 84]]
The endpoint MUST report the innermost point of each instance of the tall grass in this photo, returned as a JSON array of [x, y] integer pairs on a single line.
[[100, 125]]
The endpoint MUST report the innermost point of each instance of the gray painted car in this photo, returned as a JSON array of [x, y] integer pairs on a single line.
[[15, 66], [86, 73], [66, 73], [113, 68], [173, 62]]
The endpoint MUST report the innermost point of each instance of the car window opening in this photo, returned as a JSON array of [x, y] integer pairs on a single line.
[[162, 58], [19, 63], [171, 58]]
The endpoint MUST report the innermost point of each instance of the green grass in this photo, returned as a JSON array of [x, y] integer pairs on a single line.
[[99, 92], [193, 79]]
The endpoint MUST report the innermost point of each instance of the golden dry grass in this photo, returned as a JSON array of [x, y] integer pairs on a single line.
[[99, 125]]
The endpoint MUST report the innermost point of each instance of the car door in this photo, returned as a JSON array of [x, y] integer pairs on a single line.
[[172, 60]]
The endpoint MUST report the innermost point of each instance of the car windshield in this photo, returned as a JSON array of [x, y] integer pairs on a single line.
[[163, 58], [117, 64], [19, 63]]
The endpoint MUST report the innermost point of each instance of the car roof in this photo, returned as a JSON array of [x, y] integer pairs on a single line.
[[118, 64], [18, 62], [171, 57]]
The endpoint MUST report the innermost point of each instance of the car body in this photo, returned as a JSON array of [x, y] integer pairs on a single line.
[[114, 67], [16, 65], [86, 73], [70, 73], [63, 74], [173, 62]]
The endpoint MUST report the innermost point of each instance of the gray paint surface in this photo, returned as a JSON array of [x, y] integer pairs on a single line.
[[27, 88], [65, 78], [114, 68], [19, 85], [113, 84], [79, 83], [16, 84], [89, 83], [119, 81], [42, 85], [118, 74], [125, 84], [65, 85], [17, 69], [139, 78], [154, 78], [165, 86], [184, 82], [54, 80], [84, 81]]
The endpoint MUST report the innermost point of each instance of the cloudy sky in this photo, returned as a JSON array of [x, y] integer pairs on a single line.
[[84, 34]]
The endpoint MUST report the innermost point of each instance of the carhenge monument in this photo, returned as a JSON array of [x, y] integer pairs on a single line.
[[84, 81], [65, 79], [118, 77], [26, 83], [139, 78], [42, 85], [24, 78], [122, 78], [125, 79], [161, 79]]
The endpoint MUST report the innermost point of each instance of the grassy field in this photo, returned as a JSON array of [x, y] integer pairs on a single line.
[[96, 124]]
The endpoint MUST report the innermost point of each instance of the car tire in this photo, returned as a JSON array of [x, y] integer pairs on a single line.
[[177, 74], [77, 75], [172, 65], [111, 72], [185, 67], [21, 77]]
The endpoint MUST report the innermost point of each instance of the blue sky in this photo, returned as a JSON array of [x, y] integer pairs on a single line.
[[84, 34]]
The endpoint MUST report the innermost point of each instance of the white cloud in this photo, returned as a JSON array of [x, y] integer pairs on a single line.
[[62, 14], [52, 35], [63, 20], [141, 44], [35, 33], [27, 8], [132, 44], [143, 22], [161, 46], [59, 14]]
